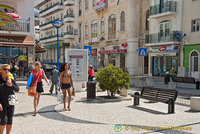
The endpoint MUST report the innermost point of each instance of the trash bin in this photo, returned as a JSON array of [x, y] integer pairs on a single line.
[[167, 78], [91, 89]]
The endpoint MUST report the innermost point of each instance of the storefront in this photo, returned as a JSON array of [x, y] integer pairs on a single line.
[[192, 60], [164, 60], [19, 49], [117, 57]]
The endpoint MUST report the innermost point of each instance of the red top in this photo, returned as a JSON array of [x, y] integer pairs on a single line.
[[91, 72], [36, 77]]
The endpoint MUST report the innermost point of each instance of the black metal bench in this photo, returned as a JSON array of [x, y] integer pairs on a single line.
[[159, 95], [186, 80]]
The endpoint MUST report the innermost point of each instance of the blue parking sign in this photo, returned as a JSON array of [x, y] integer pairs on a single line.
[[89, 50], [142, 51]]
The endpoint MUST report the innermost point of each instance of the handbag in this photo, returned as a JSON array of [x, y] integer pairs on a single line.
[[30, 80], [12, 100], [73, 92], [59, 96], [32, 89]]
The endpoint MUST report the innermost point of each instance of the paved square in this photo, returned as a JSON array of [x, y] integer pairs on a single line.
[[100, 117]]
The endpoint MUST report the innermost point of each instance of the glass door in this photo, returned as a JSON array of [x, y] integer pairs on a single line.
[[165, 31], [194, 65]]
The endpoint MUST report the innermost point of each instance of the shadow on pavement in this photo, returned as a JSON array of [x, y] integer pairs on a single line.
[[153, 129], [98, 100], [55, 115], [190, 111], [147, 110], [21, 84]]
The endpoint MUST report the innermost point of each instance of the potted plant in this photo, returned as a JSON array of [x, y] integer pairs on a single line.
[[112, 79]]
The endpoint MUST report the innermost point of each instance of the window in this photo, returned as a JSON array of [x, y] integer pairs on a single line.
[[86, 30], [195, 25], [165, 30], [94, 3], [122, 21], [111, 26], [102, 26], [86, 4], [79, 32], [147, 20], [94, 29], [80, 7]]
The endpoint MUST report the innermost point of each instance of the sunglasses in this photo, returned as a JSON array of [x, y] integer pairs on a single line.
[[5, 69]]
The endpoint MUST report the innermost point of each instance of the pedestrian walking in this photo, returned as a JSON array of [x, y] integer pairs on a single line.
[[90, 73], [54, 77], [66, 83], [13, 69], [7, 88], [30, 68], [38, 73]]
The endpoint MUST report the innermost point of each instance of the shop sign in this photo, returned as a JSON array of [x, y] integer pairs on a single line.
[[124, 45], [94, 52], [101, 4], [165, 48], [113, 51]]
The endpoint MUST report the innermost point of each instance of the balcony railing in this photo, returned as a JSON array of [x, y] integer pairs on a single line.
[[111, 36], [69, 15], [69, 33], [160, 37], [69, 2], [51, 36], [169, 6], [22, 26], [56, 4], [49, 22]]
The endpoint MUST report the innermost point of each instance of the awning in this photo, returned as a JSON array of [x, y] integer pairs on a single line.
[[114, 51], [16, 41], [39, 49], [14, 15]]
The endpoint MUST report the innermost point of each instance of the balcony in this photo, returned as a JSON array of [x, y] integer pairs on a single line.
[[160, 10], [51, 38], [159, 39], [47, 25], [52, 9], [22, 27], [69, 18], [111, 36], [69, 35], [69, 2]]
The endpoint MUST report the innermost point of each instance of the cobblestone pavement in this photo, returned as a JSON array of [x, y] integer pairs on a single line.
[[101, 116]]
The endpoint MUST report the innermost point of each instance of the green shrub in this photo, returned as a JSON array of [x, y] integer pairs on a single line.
[[112, 79]]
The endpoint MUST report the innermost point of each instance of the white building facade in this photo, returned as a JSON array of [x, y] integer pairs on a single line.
[[18, 45], [63, 10], [164, 38]]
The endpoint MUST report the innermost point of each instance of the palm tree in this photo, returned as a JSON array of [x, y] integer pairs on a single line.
[[4, 18]]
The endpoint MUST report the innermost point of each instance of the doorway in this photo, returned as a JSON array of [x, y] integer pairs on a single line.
[[194, 64]]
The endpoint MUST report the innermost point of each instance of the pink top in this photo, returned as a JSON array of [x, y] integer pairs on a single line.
[[36, 77]]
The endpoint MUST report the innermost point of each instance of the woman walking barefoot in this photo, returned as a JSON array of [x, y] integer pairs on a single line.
[[38, 74], [66, 83], [7, 87]]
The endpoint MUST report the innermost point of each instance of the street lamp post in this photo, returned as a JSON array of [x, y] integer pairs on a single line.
[[57, 24]]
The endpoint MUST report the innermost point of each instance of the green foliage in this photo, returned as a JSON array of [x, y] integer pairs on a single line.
[[112, 79]]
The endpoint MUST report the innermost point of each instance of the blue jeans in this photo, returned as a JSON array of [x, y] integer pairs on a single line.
[[14, 75], [90, 79]]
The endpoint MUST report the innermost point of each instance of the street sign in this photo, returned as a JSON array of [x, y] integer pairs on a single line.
[[89, 48], [142, 51]]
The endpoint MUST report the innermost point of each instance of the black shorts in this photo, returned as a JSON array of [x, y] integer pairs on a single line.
[[39, 88], [6, 116], [65, 86]]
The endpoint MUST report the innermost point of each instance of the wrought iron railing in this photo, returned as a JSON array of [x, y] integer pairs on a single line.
[[56, 4], [21, 26], [51, 36], [160, 37], [169, 6]]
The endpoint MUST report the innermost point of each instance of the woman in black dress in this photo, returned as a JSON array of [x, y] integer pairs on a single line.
[[7, 87]]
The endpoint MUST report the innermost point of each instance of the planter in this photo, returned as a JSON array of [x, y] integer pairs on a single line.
[[123, 92]]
